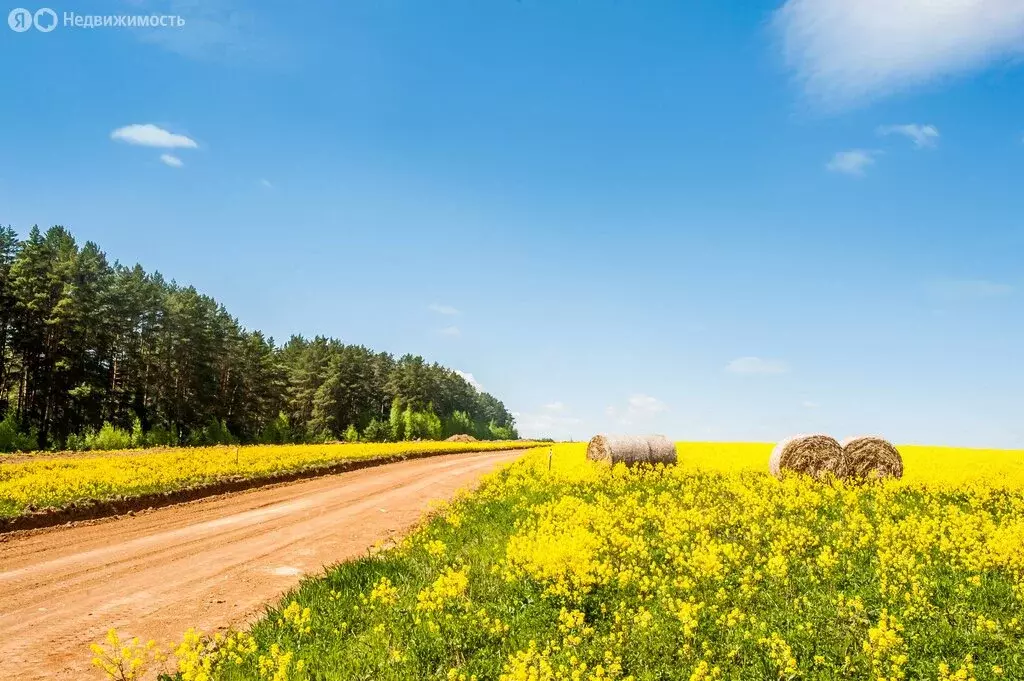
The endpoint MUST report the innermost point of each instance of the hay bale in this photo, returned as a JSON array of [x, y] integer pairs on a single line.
[[461, 437], [813, 455], [871, 458], [631, 450]]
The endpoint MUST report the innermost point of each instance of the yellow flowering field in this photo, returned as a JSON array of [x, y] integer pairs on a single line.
[[557, 568], [932, 466], [54, 482]]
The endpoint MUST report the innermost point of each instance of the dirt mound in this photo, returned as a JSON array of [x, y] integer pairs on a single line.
[[461, 437]]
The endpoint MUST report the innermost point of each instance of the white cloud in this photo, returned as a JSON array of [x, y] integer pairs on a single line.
[[969, 289], [447, 310], [450, 331], [547, 425], [468, 377], [645, 404], [846, 51], [264, 182], [852, 162], [638, 407], [808, 404], [149, 135], [756, 365], [217, 30], [551, 420], [922, 135], [171, 160]]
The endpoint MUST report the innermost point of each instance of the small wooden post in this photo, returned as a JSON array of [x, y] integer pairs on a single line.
[[549, 458]]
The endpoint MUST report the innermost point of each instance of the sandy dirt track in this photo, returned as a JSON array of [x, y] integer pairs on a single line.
[[208, 564]]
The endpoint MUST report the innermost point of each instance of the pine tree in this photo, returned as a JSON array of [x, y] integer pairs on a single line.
[[92, 352]]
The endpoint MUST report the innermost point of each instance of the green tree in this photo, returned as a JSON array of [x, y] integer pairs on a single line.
[[90, 350], [376, 431], [9, 247], [351, 434]]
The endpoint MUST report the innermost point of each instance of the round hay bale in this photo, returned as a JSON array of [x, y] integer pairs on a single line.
[[631, 450], [872, 458], [814, 455]]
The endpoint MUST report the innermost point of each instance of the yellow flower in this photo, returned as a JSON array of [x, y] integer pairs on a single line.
[[384, 593]]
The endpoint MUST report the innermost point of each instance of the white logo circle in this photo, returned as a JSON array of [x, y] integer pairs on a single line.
[[45, 26], [20, 19]]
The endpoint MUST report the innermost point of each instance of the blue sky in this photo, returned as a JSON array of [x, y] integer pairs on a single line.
[[715, 220]]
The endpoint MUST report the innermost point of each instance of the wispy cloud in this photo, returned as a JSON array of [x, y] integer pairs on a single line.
[[848, 51], [450, 331], [968, 289], [756, 366], [171, 160], [546, 424], [922, 135], [808, 404], [149, 135], [214, 30], [645, 404], [550, 420], [852, 162], [638, 407], [266, 184], [468, 377], [447, 310]]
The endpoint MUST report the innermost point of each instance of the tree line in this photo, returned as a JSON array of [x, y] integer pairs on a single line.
[[94, 354]]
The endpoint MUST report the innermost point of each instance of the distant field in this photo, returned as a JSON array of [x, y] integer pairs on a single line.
[[703, 571], [33, 483]]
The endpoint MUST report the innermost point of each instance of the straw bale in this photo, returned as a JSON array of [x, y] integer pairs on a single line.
[[631, 449], [869, 458], [815, 455]]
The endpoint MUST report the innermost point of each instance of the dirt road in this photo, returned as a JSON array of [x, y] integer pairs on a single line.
[[208, 564]]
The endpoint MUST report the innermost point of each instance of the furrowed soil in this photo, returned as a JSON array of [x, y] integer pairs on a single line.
[[210, 564]]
